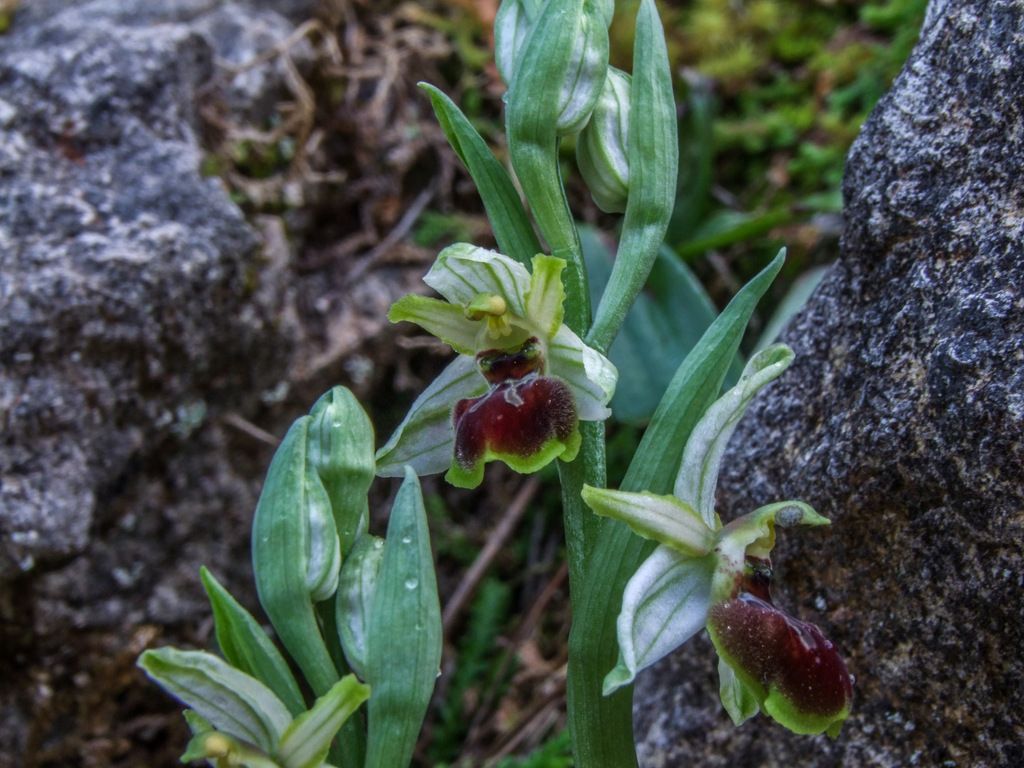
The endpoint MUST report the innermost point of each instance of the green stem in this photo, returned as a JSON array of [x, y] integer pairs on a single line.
[[532, 116], [582, 525]]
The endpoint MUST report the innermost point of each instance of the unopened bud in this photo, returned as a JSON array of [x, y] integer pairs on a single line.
[[602, 150], [583, 75], [512, 26], [584, 80]]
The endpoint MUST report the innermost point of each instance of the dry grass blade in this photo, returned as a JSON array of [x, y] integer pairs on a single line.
[[495, 542]]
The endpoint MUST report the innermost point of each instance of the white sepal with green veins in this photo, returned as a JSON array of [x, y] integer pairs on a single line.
[[665, 604]]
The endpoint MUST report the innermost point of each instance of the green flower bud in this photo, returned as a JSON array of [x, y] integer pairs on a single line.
[[602, 150], [512, 26], [582, 30], [356, 589], [340, 449], [588, 65]]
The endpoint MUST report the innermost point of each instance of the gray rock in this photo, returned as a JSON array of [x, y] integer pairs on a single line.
[[132, 291], [902, 421]]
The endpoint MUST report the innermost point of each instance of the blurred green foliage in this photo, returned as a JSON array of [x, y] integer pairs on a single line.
[[478, 654], [555, 753], [772, 94], [794, 80]]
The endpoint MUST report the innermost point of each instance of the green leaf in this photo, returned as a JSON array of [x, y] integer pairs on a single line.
[[663, 325], [702, 458], [664, 604], [404, 640], [653, 165], [356, 589], [230, 700], [694, 387], [791, 304], [341, 448], [246, 646], [512, 228], [728, 227], [280, 557], [696, 155], [306, 741], [618, 552]]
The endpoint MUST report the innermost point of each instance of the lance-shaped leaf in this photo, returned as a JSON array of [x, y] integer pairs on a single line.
[[664, 605], [512, 228], [246, 646], [702, 457], [281, 554], [694, 388], [404, 641], [356, 588], [663, 325], [230, 700], [653, 165], [341, 450], [664, 519], [307, 739], [425, 439]]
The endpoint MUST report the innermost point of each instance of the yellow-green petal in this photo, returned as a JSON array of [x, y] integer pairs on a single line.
[[438, 318]]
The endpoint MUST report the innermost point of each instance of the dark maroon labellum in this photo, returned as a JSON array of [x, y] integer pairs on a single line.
[[516, 417], [501, 365], [777, 651]]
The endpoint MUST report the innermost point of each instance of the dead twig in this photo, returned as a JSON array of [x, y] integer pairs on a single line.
[[495, 542], [397, 233], [250, 429]]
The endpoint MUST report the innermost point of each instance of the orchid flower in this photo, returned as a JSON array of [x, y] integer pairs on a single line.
[[704, 574], [522, 380]]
